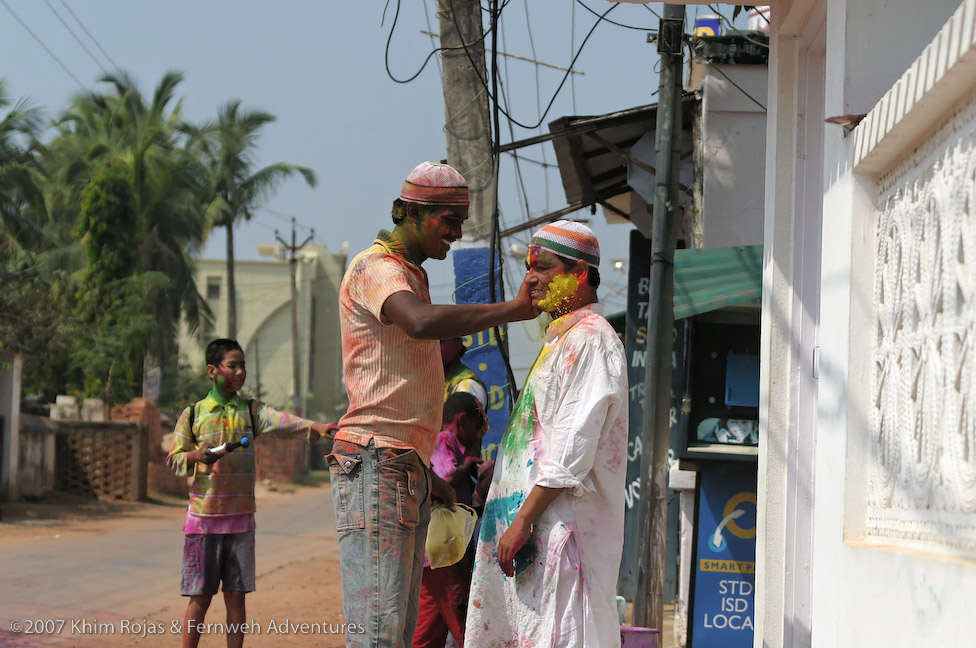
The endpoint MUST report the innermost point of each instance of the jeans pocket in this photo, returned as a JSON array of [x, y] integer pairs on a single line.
[[346, 475], [404, 473], [408, 506]]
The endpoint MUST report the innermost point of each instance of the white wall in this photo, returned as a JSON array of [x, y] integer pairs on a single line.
[[733, 124], [10, 376], [872, 586]]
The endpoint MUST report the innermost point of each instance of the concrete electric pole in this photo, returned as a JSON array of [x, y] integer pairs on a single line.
[[653, 503], [296, 355], [467, 121]]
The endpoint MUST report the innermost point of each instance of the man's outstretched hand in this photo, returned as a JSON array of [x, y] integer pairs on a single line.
[[322, 431], [442, 492]]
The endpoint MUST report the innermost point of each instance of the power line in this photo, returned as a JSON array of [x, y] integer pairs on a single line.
[[75, 36], [612, 22], [386, 58], [41, 43], [507, 55], [561, 83], [93, 39], [740, 88]]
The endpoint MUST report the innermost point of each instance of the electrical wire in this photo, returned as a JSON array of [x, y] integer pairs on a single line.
[[561, 83], [538, 97], [430, 30], [520, 181], [654, 29], [572, 47], [75, 36], [738, 87], [494, 245], [386, 57], [659, 16], [93, 39], [41, 43]]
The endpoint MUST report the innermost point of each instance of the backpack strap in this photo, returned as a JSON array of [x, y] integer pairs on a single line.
[[193, 412], [250, 409]]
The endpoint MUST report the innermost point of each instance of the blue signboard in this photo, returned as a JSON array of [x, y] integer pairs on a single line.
[[723, 609], [482, 354]]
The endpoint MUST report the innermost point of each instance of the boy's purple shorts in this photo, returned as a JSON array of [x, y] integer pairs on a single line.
[[212, 558]]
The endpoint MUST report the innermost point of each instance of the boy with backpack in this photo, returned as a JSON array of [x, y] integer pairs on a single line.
[[219, 526]]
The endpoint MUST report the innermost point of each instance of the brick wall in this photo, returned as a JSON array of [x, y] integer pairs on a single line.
[[103, 459], [280, 460], [159, 478]]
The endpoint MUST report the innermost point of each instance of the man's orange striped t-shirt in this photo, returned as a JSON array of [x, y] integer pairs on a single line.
[[395, 383]]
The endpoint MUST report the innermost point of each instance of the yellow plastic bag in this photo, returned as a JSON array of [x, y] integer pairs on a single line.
[[449, 534]]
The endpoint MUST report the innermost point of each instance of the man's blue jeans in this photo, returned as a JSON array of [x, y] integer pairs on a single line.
[[382, 504]]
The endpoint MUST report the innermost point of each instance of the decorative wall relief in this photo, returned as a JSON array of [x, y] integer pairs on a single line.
[[922, 482]]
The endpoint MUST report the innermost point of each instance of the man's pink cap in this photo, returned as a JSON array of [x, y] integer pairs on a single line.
[[435, 184]]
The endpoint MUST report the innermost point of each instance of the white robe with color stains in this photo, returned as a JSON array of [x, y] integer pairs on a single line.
[[568, 430]]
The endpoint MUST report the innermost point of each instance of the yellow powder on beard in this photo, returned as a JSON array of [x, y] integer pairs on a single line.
[[561, 289]]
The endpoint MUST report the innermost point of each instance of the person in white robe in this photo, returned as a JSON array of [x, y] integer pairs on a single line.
[[551, 536]]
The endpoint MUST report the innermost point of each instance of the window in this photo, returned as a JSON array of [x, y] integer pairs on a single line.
[[213, 288]]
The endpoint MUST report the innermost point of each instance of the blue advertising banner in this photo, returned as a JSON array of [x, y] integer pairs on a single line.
[[482, 354], [723, 609]]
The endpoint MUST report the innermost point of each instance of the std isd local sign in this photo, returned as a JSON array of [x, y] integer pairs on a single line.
[[723, 608]]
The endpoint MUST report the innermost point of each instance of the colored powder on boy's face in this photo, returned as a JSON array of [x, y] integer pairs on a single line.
[[561, 290]]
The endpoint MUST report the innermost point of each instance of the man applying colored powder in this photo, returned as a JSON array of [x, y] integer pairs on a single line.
[[382, 484], [552, 532]]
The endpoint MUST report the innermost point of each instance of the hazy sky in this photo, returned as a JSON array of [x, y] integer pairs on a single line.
[[320, 67]]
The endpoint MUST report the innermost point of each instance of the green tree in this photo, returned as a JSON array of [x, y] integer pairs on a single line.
[[37, 318], [144, 142], [21, 196], [235, 189]]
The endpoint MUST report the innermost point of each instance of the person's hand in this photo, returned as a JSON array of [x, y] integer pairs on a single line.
[[484, 481], [524, 302], [322, 430], [470, 465], [201, 456], [441, 491], [509, 544]]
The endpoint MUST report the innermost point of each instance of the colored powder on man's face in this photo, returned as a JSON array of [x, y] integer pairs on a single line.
[[561, 290]]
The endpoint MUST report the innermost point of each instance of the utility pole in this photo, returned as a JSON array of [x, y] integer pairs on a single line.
[[295, 350], [467, 121], [652, 519], [468, 127]]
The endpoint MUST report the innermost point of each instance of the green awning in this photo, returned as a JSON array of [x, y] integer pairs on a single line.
[[709, 279]]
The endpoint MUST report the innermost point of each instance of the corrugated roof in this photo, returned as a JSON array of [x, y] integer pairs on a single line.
[[592, 152]]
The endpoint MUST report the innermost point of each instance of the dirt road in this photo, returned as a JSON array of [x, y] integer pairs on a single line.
[[87, 574], [84, 574]]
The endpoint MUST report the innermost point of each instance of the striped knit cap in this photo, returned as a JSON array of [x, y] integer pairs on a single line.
[[570, 240], [435, 184]]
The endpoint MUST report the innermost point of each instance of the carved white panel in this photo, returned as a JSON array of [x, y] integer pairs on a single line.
[[922, 480]]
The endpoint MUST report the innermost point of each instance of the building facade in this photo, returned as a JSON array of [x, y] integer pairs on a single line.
[[264, 319], [866, 496]]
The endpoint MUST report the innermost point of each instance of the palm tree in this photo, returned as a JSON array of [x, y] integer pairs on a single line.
[[21, 196], [235, 190], [146, 141]]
